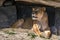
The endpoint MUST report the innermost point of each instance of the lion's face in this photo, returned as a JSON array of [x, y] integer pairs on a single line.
[[40, 22], [38, 13]]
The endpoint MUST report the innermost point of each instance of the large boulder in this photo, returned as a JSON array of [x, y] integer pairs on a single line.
[[44, 2]]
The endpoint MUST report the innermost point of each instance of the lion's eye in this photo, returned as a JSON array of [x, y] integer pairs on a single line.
[[36, 12]]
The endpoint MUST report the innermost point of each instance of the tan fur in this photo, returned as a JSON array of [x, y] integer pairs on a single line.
[[18, 23], [42, 17], [26, 24], [36, 29], [47, 33]]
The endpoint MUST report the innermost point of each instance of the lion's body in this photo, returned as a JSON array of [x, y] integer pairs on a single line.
[[40, 21], [26, 24]]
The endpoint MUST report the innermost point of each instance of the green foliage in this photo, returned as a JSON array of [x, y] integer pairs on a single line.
[[10, 33], [32, 35]]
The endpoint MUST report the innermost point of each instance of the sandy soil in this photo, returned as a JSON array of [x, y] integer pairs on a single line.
[[21, 34]]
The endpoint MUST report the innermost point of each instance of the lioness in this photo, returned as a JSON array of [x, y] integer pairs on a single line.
[[23, 23], [40, 22]]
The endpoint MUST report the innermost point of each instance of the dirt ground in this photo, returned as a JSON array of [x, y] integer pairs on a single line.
[[22, 34]]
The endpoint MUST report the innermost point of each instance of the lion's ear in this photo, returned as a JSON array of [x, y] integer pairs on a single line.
[[33, 9], [43, 8]]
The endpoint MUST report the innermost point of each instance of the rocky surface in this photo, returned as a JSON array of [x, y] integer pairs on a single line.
[[7, 16], [21, 34]]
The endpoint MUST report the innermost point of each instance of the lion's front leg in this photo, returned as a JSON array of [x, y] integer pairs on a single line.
[[36, 29], [45, 34]]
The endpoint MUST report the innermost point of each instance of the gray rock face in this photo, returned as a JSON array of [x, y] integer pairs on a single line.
[[7, 16], [54, 18], [57, 20]]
